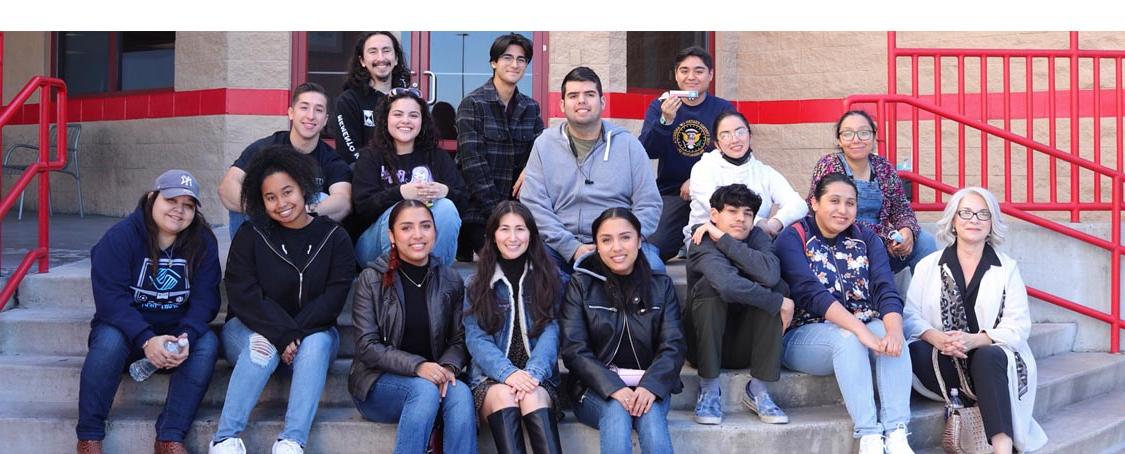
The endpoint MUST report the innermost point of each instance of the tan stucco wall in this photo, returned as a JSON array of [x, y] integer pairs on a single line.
[[120, 159], [26, 55], [232, 60]]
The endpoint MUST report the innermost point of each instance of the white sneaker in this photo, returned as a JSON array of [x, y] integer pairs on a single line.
[[287, 447], [228, 446], [871, 444], [896, 441]]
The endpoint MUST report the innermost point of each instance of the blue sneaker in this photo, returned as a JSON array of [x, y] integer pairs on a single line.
[[709, 408], [764, 407]]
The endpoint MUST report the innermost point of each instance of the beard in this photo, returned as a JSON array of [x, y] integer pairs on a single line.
[[382, 79]]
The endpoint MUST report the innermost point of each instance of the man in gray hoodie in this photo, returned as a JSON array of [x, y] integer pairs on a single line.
[[736, 308], [582, 167]]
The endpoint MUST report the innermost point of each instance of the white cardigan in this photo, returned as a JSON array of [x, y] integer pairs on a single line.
[[923, 312], [712, 172]]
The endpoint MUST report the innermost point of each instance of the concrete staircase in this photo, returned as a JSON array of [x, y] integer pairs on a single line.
[[1081, 396]]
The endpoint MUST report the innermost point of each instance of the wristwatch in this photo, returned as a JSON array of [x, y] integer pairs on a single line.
[[663, 122]]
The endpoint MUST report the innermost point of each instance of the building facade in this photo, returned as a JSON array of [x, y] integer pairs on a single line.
[[149, 101]]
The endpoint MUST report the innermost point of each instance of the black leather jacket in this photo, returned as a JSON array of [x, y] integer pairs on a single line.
[[593, 327], [378, 317]]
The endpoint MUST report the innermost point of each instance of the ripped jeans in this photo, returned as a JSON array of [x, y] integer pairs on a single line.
[[253, 366]]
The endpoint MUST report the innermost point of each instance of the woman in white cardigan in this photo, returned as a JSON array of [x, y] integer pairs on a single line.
[[969, 303], [732, 161]]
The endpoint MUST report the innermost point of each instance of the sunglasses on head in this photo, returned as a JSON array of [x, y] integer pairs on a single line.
[[399, 91]]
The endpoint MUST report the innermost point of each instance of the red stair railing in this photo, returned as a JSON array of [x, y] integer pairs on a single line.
[[47, 87], [1113, 318]]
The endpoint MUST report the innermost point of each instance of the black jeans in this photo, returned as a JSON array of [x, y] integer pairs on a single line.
[[730, 335], [988, 369], [669, 235]]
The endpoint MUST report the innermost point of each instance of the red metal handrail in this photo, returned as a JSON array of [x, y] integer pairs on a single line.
[[1113, 318], [41, 167], [1082, 95]]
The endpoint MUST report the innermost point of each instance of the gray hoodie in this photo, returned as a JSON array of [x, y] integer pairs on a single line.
[[566, 196]]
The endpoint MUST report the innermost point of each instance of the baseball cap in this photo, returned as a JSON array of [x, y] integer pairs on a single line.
[[175, 183]]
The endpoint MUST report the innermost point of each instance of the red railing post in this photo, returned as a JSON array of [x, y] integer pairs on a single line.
[[1074, 199], [40, 168], [1115, 269]]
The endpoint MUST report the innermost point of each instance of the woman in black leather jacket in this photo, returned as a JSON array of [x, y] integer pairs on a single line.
[[622, 340], [410, 344]]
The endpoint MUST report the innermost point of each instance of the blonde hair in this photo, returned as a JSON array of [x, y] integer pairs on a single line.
[[999, 229]]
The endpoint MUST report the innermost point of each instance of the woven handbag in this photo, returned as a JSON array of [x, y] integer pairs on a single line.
[[964, 427]]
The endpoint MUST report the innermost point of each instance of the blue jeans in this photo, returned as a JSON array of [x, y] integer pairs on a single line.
[[924, 245], [111, 352], [826, 349], [413, 403], [566, 268], [309, 368], [374, 243], [615, 425]]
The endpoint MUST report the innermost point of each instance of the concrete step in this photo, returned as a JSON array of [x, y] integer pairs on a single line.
[[69, 285], [1063, 379], [339, 429], [1069, 429], [54, 330]]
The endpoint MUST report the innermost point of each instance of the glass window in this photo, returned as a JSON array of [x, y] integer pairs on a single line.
[[148, 60], [328, 59], [650, 57], [99, 62], [84, 61]]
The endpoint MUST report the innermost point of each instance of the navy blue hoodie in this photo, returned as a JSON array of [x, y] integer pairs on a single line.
[[128, 297]]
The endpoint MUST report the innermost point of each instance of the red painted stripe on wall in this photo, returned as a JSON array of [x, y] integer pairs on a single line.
[[632, 106], [626, 106], [168, 104]]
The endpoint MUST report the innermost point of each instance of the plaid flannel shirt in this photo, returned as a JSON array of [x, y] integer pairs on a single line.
[[491, 151]]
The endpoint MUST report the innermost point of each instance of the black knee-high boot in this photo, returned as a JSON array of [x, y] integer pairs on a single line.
[[506, 430], [543, 431]]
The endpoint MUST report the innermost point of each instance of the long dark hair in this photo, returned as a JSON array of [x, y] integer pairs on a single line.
[[545, 283], [271, 160], [191, 242], [638, 284], [382, 145], [358, 77], [393, 260]]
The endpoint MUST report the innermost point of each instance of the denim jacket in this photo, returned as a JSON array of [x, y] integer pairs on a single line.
[[490, 350]]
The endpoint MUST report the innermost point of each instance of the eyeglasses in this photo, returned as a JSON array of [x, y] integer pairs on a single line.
[[863, 134], [509, 58], [400, 91], [966, 214], [741, 133]]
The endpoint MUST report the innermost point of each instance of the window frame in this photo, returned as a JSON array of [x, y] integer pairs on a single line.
[[114, 77], [658, 91]]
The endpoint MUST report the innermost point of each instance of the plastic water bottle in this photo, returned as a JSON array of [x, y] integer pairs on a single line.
[[142, 368], [906, 184], [954, 402]]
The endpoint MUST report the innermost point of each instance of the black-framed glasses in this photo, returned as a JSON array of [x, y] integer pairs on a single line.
[[741, 133], [966, 214], [399, 91], [509, 58], [863, 134]]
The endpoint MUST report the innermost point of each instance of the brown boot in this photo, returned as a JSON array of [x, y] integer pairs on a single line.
[[169, 447], [89, 447]]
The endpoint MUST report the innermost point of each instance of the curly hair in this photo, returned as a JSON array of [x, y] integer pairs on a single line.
[[358, 77], [271, 160], [382, 145]]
